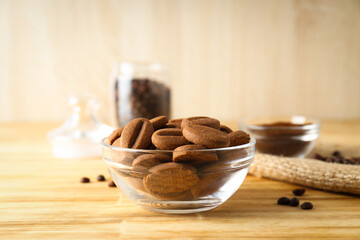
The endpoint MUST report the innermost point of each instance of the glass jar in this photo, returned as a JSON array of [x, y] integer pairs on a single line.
[[140, 90]]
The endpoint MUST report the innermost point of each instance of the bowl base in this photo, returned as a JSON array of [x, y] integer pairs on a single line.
[[179, 207]]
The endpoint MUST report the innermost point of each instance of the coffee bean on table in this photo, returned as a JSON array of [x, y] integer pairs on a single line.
[[318, 156], [337, 157], [111, 184], [306, 206], [294, 202], [299, 191], [85, 180], [337, 153], [283, 201], [100, 178]]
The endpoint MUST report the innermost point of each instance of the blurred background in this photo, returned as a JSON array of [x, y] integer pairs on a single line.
[[229, 58]]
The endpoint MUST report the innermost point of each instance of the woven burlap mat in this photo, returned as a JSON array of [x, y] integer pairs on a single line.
[[312, 173]]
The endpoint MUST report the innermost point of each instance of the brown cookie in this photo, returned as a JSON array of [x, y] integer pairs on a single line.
[[143, 163], [174, 123], [159, 122], [137, 183], [238, 138], [225, 129], [115, 135], [137, 134], [123, 157], [233, 155], [204, 121], [209, 184], [206, 136], [167, 185], [186, 154], [187, 195], [172, 168], [168, 138]]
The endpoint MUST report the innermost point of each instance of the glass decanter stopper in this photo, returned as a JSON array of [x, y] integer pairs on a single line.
[[80, 135]]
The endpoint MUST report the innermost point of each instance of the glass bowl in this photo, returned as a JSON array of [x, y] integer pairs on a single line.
[[194, 187], [284, 136]]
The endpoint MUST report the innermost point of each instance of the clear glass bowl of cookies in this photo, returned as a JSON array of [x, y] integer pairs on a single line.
[[173, 174]]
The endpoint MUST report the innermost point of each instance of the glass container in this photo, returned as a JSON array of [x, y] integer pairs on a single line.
[[211, 183], [80, 135], [292, 136], [140, 90]]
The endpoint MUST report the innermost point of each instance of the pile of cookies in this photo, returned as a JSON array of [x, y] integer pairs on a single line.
[[189, 170]]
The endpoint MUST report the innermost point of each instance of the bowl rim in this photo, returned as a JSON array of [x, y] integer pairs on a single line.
[[314, 123], [243, 146]]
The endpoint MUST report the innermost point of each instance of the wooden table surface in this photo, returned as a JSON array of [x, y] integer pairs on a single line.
[[41, 198]]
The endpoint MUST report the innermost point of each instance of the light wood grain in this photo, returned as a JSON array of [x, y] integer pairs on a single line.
[[229, 58], [41, 198]]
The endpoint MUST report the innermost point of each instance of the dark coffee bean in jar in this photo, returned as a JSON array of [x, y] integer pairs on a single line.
[[141, 97]]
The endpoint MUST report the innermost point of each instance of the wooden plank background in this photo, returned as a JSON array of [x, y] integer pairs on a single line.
[[229, 58]]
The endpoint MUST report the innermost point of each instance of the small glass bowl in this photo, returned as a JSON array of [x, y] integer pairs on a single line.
[[214, 182], [284, 136]]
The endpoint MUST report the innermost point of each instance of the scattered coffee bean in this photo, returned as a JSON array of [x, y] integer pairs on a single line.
[[100, 178], [84, 180], [337, 157], [283, 201], [337, 153], [306, 205], [299, 191], [294, 202], [111, 184]]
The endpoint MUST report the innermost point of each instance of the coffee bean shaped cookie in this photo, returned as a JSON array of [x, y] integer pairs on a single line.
[[143, 163], [137, 183], [123, 157], [159, 122], [116, 134], [209, 184], [166, 184], [186, 154], [137, 134], [206, 136], [204, 121], [225, 129], [187, 195], [172, 168], [168, 138], [174, 123], [238, 138]]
